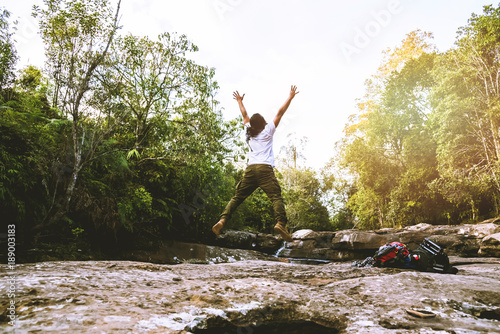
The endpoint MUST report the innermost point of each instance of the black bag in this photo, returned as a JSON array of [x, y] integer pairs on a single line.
[[430, 257]]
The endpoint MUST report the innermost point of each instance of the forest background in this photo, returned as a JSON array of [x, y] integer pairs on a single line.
[[119, 142]]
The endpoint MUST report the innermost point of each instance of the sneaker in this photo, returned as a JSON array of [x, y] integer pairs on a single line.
[[281, 229], [217, 228]]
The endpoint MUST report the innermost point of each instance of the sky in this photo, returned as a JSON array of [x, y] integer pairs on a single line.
[[327, 48]]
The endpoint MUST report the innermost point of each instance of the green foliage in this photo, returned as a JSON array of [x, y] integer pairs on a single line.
[[303, 190], [425, 147], [174, 115], [342, 219], [337, 189], [394, 159], [124, 158], [77, 232], [77, 35], [28, 145], [8, 53], [467, 118], [136, 207], [256, 213], [31, 78], [302, 195], [133, 138]]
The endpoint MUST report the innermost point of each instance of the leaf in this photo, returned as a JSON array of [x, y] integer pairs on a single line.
[[132, 153]]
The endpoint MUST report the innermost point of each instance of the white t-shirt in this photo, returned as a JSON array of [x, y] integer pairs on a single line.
[[262, 146]]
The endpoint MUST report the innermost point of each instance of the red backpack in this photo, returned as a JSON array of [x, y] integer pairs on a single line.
[[391, 255]]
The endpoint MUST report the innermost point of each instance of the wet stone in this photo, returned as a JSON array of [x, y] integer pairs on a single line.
[[253, 297]]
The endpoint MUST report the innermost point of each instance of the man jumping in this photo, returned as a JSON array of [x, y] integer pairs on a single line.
[[259, 171]]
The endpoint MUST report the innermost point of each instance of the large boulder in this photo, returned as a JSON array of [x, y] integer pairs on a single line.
[[483, 230], [322, 239], [490, 245], [360, 240]]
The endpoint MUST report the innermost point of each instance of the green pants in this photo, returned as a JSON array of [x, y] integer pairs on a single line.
[[258, 176]]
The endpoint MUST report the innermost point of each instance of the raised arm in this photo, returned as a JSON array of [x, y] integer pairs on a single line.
[[239, 99], [281, 112]]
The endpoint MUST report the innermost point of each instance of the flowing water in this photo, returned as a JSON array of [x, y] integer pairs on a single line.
[[282, 248]]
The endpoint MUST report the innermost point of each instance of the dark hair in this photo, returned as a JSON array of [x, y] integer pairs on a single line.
[[257, 124]]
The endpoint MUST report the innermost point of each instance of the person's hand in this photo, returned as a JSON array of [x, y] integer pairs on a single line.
[[293, 92], [238, 97]]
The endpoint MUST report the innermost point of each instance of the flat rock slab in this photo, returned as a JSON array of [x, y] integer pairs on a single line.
[[251, 297]]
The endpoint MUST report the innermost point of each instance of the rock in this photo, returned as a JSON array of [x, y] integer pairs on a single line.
[[332, 255], [483, 230], [297, 253], [322, 239], [302, 234], [308, 244], [237, 239], [461, 240], [360, 240], [266, 243], [450, 241], [251, 297], [490, 245], [173, 252], [418, 227]]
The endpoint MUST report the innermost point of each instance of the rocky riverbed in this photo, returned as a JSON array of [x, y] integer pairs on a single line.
[[251, 296]]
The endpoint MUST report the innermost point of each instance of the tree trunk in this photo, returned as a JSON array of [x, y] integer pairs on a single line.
[[70, 189], [63, 209], [80, 91], [473, 209]]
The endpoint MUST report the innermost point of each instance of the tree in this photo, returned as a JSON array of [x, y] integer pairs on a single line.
[[30, 78], [390, 151], [467, 118], [8, 53], [170, 99], [302, 189], [338, 187], [78, 35], [406, 110], [292, 153], [171, 122], [413, 45], [374, 178], [425, 144], [29, 145], [302, 193]]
